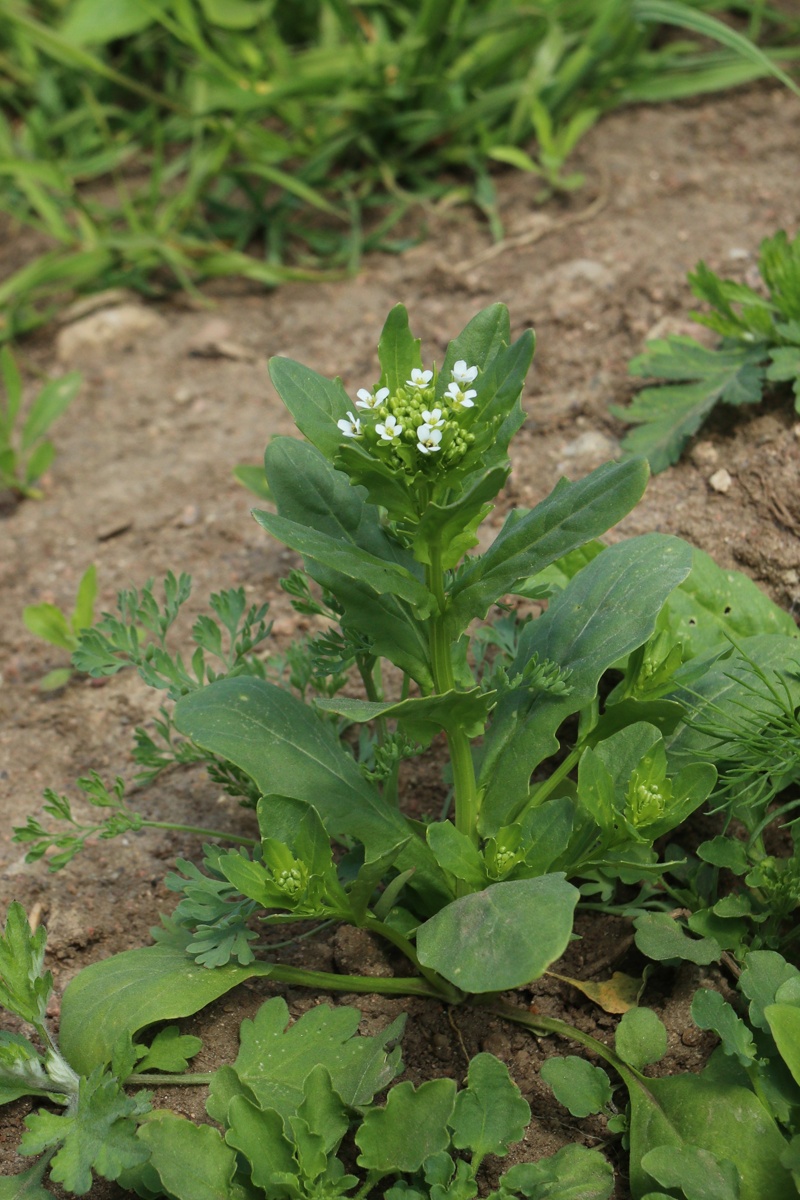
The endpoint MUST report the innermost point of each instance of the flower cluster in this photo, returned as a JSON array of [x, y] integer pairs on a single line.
[[409, 418]]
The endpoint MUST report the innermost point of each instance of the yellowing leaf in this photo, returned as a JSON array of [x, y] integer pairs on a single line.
[[615, 995]]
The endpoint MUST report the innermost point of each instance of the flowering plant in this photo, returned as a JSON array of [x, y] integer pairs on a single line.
[[383, 500]]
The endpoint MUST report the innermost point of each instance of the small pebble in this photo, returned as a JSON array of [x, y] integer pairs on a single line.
[[721, 481], [705, 454]]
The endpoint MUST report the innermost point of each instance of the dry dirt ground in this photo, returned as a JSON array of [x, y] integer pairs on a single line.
[[142, 483]]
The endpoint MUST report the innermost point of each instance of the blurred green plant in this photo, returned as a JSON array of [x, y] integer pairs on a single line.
[[25, 452], [277, 142], [759, 346]]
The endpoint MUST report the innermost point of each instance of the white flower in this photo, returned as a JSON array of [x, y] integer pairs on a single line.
[[369, 399], [419, 379], [464, 399], [433, 419], [463, 374], [350, 427], [429, 439], [389, 430]]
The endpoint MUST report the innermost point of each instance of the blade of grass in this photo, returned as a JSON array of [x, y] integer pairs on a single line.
[[672, 12]]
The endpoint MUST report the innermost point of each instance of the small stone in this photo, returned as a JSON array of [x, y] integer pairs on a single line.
[[704, 454], [189, 516], [592, 444], [796, 431], [109, 329], [691, 1036], [721, 481], [90, 304], [495, 1043]]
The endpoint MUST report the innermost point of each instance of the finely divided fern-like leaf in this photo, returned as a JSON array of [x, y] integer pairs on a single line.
[[669, 414]]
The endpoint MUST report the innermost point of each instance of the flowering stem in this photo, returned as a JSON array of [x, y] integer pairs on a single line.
[[464, 786]]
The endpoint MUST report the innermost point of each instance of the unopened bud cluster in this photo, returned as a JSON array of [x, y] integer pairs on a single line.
[[410, 418]]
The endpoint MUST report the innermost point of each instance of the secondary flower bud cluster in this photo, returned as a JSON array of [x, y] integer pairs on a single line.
[[410, 418]]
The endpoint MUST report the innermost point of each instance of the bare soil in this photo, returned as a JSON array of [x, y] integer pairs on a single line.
[[142, 483]]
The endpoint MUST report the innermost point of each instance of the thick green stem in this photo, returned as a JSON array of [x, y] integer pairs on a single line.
[[464, 785], [445, 990], [201, 832], [548, 785], [145, 1079], [401, 986], [539, 1024]]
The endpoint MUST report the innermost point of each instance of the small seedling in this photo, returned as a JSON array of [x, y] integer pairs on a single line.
[[50, 623], [759, 346], [25, 452]]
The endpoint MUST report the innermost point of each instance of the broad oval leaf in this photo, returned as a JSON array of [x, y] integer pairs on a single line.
[[287, 749], [501, 937], [726, 1119], [605, 612], [124, 993]]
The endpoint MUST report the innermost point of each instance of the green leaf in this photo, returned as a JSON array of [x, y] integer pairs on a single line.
[[725, 1119], [711, 1011], [24, 988], [605, 612], [170, 1051], [254, 479], [725, 851], [672, 12], [38, 462], [327, 502], [532, 539], [490, 1115], [287, 749], [129, 991], [274, 1062], [27, 1185], [640, 1038], [452, 527], [784, 366], [421, 717], [574, 1173], [323, 1109], [784, 1025], [83, 613], [54, 398], [501, 937], [456, 853], [713, 603], [398, 350], [409, 1129], [660, 937], [699, 1174], [576, 1084], [22, 1070], [98, 1134], [316, 403], [49, 623], [670, 414], [348, 560], [481, 341], [12, 382], [88, 23], [233, 14], [193, 1162], [259, 1136], [764, 973]]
